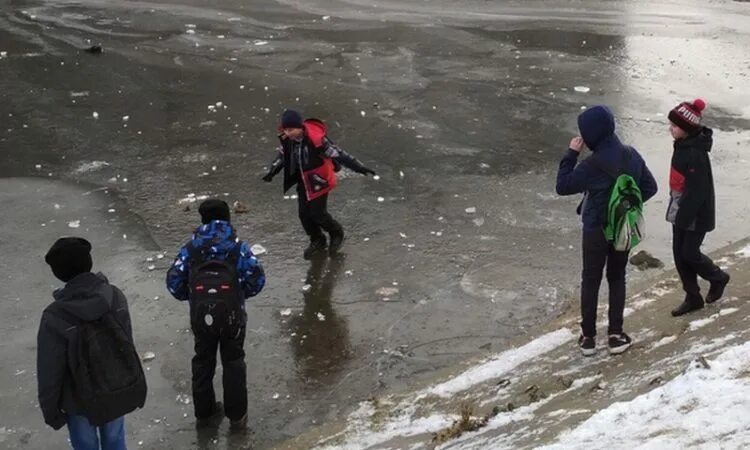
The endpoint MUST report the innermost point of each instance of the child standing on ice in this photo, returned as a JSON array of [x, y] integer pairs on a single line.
[[310, 160], [692, 209]]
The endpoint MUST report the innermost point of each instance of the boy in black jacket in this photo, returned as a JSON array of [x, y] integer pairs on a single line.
[[691, 208], [85, 297]]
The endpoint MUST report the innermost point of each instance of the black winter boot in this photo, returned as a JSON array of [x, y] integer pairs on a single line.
[[717, 288], [314, 248], [691, 303], [337, 240]]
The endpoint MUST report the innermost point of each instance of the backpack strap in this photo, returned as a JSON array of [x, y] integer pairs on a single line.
[[609, 169]]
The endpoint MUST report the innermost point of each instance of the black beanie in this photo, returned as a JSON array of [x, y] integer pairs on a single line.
[[291, 119], [69, 257], [214, 209]]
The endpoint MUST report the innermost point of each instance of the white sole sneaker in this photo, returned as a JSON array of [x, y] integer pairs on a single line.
[[588, 351], [620, 349]]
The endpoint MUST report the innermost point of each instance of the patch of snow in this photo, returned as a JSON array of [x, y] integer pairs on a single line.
[[744, 253], [471, 210], [696, 408], [381, 199], [95, 115], [285, 312], [321, 317], [260, 43], [502, 363], [258, 249], [582, 89], [91, 166], [74, 224], [664, 341]]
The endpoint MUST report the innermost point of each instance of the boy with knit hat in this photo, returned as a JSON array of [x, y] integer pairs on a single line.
[[85, 298], [310, 160], [691, 208], [216, 272]]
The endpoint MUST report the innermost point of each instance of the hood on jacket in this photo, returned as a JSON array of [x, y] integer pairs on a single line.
[[597, 125], [218, 237], [703, 139], [87, 296], [315, 130]]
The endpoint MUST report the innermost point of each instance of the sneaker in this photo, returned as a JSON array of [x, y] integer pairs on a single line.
[[716, 291], [239, 424], [587, 345], [618, 343], [212, 421], [314, 248], [337, 240], [689, 305]]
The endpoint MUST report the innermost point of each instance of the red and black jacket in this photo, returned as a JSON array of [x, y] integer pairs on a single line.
[[313, 161], [692, 205]]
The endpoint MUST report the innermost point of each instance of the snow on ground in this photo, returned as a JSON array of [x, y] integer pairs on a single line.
[[502, 363], [703, 407], [744, 253]]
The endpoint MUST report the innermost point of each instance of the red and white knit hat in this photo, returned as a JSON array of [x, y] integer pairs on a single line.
[[688, 115]]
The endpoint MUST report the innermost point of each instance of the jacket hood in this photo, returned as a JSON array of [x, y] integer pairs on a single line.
[[316, 130], [87, 296], [596, 124], [218, 237], [703, 140]]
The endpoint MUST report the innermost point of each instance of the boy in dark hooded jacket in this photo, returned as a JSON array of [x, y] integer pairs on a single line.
[[692, 210], [597, 127], [310, 160], [85, 297]]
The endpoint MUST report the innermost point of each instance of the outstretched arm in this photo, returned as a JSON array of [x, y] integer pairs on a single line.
[[350, 162]]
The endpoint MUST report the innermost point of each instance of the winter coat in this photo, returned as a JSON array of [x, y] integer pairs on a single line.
[[88, 297], [692, 205], [218, 239], [597, 126], [313, 161]]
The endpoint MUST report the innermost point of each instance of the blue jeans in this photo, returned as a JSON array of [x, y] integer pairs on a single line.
[[84, 436]]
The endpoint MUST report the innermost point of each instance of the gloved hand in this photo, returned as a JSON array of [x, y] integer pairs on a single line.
[[268, 178], [365, 171]]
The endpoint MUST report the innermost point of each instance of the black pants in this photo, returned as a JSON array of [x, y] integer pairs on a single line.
[[235, 373], [690, 262], [314, 216], [598, 253]]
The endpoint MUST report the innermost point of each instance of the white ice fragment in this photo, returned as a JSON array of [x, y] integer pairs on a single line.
[[57, 206], [190, 25], [258, 249], [276, 396], [3, 54], [376, 177], [366, 239], [125, 118], [151, 267], [479, 221], [381, 199], [348, 273], [326, 18], [183, 398], [259, 43], [38, 167], [149, 259], [321, 317], [95, 115], [439, 233], [160, 256], [124, 236], [148, 356], [582, 89], [286, 312], [190, 31], [124, 180], [401, 174], [242, 86], [403, 235], [213, 168], [74, 224], [219, 104], [471, 210], [221, 36], [362, 113], [306, 288]]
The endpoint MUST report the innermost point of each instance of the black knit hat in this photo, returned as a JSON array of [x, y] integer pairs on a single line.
[[214, 209], [688, 115], [291, 119], [68, 257]]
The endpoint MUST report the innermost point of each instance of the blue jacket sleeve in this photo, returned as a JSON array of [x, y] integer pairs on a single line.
[[252, 276], [648, 184], [177, 276], [572, 178]]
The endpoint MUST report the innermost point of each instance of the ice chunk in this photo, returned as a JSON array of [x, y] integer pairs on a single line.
[[258, 249], [471, 210], [3, 54], [582, 89], [286, 312], [348, 273], [387, 291], [125, 118], [401, 174], [376, 177], [321, 317], [57, 206], [479, 221], [366, 239], [148, 356], [306, 288], [149, 259], [403, 235], [183, 398], [190, 31], [38, 167], [95, 115], [190, 25], [381, 199], [276, 396], [362, 113], [160, 256], [326, 18], [151, 267], [74, 224], [259, 43]]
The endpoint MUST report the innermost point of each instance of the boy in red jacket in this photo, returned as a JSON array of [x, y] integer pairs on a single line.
[[310, 160]]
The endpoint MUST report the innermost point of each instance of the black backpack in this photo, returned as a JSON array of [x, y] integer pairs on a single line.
[[108, 379], [215, 293]]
